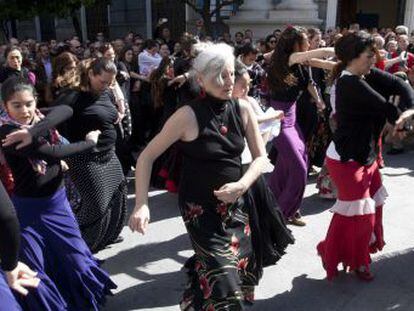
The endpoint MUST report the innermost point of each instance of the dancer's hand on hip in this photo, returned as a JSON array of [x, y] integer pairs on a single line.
[[22, 277], [93, 136], [229, 193], [139, 219]]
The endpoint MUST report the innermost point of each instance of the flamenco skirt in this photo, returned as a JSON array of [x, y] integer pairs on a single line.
[[166, 170], [52, 245], [99, 179], [232, 244], [288, 179], [7, 300], [356, 227]]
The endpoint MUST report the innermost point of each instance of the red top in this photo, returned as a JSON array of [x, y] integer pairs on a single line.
[[397, 67]]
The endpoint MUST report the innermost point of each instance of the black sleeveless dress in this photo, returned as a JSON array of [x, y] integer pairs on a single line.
[[226, 266]]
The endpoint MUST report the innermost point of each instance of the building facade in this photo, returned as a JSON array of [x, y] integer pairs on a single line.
[[141, 16]]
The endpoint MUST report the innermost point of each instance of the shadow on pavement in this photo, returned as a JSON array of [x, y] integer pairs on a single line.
[[159, 203], [404, 160], [156, 290], [392, 289], [314, 204]]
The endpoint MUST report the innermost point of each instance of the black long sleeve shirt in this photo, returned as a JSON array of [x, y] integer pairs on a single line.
[[292, 93], [28, 182], [9, 224], [90, 112], [362, 109]]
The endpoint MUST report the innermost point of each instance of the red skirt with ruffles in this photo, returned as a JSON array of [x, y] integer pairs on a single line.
[[356, 227]]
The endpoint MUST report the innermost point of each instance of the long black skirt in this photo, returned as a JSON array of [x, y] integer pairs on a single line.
[[101, 184], [232, 244]]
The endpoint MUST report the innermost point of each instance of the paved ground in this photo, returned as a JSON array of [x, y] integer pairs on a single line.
[[148, 271]]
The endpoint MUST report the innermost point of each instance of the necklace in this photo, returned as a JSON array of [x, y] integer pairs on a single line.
[[222, 128]]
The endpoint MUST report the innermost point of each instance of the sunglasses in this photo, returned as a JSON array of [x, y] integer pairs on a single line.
[[272, 41]]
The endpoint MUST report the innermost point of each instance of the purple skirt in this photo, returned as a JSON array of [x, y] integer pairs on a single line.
[[52, 245], [288, 179], [7, 300]]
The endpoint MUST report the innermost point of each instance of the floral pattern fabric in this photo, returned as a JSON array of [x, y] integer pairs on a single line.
[[223, 273]]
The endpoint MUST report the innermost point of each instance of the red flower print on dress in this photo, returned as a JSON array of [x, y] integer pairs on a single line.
[[242, 264], [234, 245], [210, 307], [249, 296], [222, 209], [247, 230], [205, 287], [198, 265], [193, 211]]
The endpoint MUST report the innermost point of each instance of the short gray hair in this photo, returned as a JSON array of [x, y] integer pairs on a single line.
[[401, 30], [211, 61], [379, 41]]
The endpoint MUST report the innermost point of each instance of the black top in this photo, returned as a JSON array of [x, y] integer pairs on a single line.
[[292, 93], [185, 93], [212, 159], [9, 225], [28, 182], [362, 109], [9, 232], [90, 112], [7, 72]]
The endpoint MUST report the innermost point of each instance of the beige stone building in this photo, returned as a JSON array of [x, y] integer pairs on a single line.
[[262, 16]]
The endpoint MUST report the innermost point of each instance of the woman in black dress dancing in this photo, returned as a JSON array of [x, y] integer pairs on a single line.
[[214, 195], [98, 175]]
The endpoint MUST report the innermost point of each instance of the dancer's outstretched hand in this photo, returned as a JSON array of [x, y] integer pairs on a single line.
[[23, 137], [139, 219], [21, 277], [400, 128]]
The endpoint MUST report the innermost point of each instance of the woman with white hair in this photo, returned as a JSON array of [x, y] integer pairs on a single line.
[[210, 132]]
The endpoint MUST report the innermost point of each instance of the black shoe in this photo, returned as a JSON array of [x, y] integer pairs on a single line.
[[394, 151]]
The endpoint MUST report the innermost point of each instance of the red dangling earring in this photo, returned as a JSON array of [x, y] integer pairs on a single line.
[[202, 93]]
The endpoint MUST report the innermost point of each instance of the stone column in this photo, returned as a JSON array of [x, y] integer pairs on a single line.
[[257, 5], [148, 17], [409, 14], [331, 13], [296, 12], [297, 5], [255, 9], [38, 28]]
